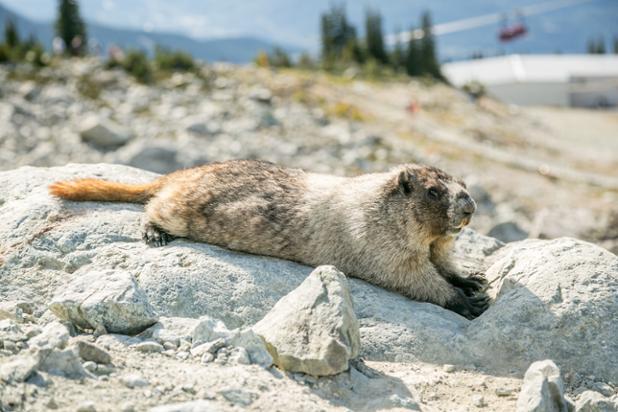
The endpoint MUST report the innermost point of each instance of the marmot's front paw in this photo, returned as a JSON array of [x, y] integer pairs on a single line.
[[474, 283], [155, 236], [467, 306]]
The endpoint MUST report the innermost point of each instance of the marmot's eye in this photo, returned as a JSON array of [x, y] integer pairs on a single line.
[[433, 193]]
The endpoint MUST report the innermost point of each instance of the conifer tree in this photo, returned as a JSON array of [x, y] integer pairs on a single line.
[[601, 45], [71, 28], [337, 35], [413, 57], [11, 36], [428, 59], [398, 56], [374, 37]]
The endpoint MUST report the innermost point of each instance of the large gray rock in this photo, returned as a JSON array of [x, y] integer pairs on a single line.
[[555, 299], [103, 133], [542, 390], [108, 300], [313, 329]]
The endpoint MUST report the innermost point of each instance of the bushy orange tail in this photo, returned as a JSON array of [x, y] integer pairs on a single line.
[[103, 191]]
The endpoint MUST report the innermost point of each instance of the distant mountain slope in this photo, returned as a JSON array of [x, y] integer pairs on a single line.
[[234, 50]]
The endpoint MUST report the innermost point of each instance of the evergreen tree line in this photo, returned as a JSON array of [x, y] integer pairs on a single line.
[[15, 50], [341, 45], [597, 45], [69, 27]]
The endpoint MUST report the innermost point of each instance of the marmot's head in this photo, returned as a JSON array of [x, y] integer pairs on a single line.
[[438, 203]]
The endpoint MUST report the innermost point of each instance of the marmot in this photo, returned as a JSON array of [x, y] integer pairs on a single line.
[[391, 229]]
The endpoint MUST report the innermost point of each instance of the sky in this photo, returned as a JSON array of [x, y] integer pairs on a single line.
[[200, 19], [296, 21]]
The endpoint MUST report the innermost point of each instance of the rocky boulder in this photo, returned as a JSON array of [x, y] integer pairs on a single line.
[[313, 329], [543, 389], [103, 133], [104, 301], [556, 298]]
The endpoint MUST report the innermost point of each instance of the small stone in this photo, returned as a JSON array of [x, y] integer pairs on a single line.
[[91, 352], [60, 362], [90, 366], [240, 356], [169, 345], [15, 310], [211, 347], [183, 355], [542, 389], [253, 344], [109, 300], [87, 406], [188, 388], [261, 95], [208, 330], [478, 401], [603, 388], [51, 404], [149, 347], [207, 358], [172, 330], [10, 346], [191, 406], [239, 396], [105, 369], [503, 391], [591, 401], [403, 402], [53, 336], [127, 407], [134, 380], [18, 369], [103, 133], [449, 368]]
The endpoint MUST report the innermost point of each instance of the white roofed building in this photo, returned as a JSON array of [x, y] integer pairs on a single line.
[[575, 80]]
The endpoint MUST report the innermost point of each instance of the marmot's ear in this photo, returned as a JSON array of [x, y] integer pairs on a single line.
[[404, 181]]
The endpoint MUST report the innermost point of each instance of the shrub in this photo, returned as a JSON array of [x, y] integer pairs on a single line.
[[136, 63], [87, 87], [174, 60], [279, 58], [261, 60], [4, 54], [346, 111], [306, 62]]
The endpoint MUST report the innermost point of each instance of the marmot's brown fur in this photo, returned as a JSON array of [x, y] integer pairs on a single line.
[[392, 229]]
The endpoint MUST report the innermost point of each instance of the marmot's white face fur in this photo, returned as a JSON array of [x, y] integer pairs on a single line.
[[438, 201]]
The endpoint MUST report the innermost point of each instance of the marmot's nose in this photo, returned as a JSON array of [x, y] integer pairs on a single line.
[[468, 206]]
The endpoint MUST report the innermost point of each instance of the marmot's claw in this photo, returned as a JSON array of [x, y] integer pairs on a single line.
[[475, 283], [154, 236], [469, 306]]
